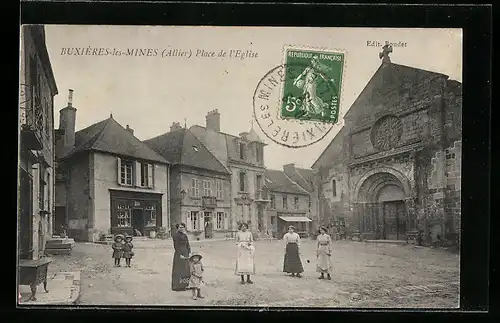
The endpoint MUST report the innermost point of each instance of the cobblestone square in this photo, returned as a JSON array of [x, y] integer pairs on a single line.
[[365, 275]]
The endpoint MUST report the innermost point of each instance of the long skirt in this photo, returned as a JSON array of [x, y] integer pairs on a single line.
[[180, 273], [245, 264], [324, 261], [292, 263]]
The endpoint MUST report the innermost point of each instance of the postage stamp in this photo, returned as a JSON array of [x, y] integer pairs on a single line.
[[312, 91]]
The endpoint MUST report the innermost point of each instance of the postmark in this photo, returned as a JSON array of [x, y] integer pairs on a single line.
[[276, 92]]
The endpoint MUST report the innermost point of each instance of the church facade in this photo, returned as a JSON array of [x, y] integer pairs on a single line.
[[393, 172]]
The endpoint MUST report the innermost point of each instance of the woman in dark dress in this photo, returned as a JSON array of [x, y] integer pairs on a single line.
[[292, 263], [180, 267]]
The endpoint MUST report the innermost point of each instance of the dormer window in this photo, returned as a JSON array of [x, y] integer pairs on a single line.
[[242, 151]]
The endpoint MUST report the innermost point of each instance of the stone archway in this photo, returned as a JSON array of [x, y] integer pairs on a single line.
[[382, 204]]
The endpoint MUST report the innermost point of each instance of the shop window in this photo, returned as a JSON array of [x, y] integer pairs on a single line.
[[150, 214], [124, 215]]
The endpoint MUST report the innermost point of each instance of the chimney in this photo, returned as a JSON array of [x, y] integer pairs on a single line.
[[175, 126], [67, 121], [213, 120], [130, 130]]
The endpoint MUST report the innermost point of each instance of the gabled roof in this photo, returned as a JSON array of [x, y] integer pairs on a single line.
[[182, 147], [277, 181], [224, 146], [108, 136], [335, 141], [390, 74]]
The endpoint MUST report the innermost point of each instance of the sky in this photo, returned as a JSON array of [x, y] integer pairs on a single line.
[[149, 93]]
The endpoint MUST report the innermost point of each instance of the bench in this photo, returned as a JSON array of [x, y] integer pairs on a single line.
[[32, 273]]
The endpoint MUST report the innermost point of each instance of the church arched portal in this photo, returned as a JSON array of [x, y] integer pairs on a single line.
[[381, 206]]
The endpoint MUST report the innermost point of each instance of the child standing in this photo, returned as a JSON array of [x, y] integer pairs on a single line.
[[127, 250], [117, 249], [196, 279]]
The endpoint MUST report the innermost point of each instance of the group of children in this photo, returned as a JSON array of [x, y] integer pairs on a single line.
[[122, 248]]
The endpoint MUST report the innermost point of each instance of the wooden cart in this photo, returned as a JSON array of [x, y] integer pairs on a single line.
[[33, 273]]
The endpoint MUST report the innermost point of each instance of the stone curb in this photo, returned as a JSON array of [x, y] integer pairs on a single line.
[[74, 294]]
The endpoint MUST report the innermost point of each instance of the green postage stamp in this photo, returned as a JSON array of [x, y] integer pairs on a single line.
[[313, 85]]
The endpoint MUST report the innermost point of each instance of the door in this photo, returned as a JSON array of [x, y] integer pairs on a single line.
[[60, 219], [394, 221], [138, 222], [208, 224], [25, 219]]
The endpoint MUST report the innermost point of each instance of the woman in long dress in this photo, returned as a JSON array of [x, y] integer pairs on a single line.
[[292, 263], [324, 252], [245, 264], [180, 267]]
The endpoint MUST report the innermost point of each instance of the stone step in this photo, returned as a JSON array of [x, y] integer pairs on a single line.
[[387, 241]]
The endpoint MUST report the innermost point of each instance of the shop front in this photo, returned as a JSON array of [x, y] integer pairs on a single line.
[[299, 221], [135, 213]]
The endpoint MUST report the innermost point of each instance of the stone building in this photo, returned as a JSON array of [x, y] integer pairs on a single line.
[[307, 180], [200, 186], [109, 182], [395, 167], [243, 156], [289, 204], [36, 156]]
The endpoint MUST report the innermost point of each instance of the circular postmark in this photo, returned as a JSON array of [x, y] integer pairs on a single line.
[[306, 122]]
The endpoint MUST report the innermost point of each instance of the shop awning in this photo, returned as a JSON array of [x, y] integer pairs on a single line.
[[295, 219]]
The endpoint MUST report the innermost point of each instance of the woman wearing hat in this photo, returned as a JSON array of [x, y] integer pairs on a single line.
[[180, 265], [292, 263], [245, 262], [323, 253], [117, 247]]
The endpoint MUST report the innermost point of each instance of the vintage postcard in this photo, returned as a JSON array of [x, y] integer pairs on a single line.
[[239, 166]]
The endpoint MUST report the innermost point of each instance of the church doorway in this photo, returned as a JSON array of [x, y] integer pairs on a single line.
[[381, 208], [394, 220]]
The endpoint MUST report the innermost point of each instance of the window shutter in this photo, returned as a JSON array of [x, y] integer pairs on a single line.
[[119, 170], [150, 176], [137, 174], [188, 222], [226, 220]]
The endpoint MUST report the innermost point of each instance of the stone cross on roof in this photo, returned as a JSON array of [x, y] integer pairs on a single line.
[[384, 54]]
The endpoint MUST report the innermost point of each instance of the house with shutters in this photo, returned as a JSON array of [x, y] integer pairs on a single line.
[[200, 185], [108, 181], [243, 156]]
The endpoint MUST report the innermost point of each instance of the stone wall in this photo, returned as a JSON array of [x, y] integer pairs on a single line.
[[77, 195]]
